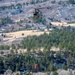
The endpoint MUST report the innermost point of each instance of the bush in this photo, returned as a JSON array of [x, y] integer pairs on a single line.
[[55, 73]]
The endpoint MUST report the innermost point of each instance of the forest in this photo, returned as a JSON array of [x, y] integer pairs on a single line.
[[64, 39], [42, 61]]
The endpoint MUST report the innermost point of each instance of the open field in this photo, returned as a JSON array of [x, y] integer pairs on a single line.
[[63, 24], [20, 34]]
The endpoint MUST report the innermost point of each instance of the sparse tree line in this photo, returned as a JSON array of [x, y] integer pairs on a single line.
[[19, 5], [6, 20], [37, 1], [4, 47]]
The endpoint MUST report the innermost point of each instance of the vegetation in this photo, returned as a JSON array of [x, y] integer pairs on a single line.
[[25, 62], [64, 39], [4, 47], [55, 73], [72, 1], [37, 16], [37, 1], [71, 22], [18, 6], [5, 21], [45, 61], [74, 73]]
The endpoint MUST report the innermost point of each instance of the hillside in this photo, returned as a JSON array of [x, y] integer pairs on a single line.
[[21, 14]]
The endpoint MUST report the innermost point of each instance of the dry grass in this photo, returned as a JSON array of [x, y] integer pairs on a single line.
[[63, 24], [13, 35]]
